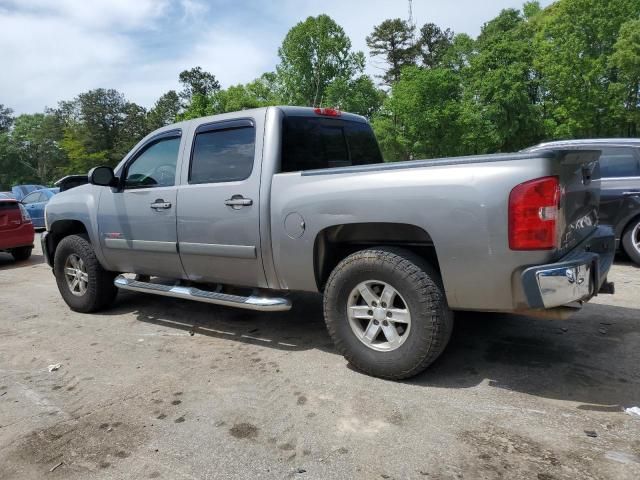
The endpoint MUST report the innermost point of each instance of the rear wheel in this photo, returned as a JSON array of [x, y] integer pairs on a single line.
[[21, 254], [84, 285], [386, 312], [631, 241]]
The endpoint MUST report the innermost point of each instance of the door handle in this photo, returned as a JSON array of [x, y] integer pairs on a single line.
[[238, 201], [160, 204], [631, 194]]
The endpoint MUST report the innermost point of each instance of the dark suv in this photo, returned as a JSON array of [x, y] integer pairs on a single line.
[[619, 187]]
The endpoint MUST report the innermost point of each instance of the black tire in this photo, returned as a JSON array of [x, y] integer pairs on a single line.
[[21, 254], [632, 230], [100, 291], [420, 288]]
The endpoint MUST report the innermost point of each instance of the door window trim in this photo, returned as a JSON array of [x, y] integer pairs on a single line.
[[222, 126], [176, 133]]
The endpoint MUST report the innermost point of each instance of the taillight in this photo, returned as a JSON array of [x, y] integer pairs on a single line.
[[533, 213], [26, 218], [328, 112]]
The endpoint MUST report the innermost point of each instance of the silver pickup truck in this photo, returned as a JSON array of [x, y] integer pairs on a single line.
[[238, 209]]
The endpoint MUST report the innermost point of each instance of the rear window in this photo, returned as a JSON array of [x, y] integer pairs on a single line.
[[311, 143], [10, 205], [619, 162]]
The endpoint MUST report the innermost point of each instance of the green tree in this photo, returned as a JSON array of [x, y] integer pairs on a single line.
[[313, 54], [431, 118], [433, 44], [197, 82], [198, 90], [358, 95], [165, 110], [100, 126], [35, 148], [626, 59], [574, 42], [503, 80], [394, 41], [6, 118]]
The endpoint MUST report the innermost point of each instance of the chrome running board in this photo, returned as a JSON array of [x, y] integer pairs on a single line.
[[252, 302]]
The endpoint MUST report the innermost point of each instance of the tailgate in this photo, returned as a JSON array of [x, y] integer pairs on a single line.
[[578, 171]]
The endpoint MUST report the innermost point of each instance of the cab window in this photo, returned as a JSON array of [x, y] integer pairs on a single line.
[[155, 166], [222, 155]]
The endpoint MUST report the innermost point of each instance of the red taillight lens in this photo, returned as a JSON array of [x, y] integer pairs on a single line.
[[533, 213], [26, 218], [328, 112]]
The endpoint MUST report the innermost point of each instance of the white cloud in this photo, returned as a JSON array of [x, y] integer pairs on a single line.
[[54, 50]]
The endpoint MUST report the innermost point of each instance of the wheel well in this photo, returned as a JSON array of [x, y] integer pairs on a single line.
[[335, 243], [61, 229]]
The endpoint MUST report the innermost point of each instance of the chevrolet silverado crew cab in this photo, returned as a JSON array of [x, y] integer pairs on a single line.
[[241, 208]]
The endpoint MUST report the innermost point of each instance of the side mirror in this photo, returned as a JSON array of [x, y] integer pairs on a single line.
[[102, 176]]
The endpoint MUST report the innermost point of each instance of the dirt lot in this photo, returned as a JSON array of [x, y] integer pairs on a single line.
[[162, 388]]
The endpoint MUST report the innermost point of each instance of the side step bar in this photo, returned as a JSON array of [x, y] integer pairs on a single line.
[[252, 302]]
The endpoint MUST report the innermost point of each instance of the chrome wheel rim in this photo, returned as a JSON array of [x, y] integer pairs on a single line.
[[635, 237], [378, 315], [75, 273]]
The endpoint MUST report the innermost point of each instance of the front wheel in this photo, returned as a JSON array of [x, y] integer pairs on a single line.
[[22, 253], [386, 312], [84, 285], [631, 241]]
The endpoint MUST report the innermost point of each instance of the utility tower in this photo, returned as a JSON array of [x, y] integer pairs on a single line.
[[411, 24]]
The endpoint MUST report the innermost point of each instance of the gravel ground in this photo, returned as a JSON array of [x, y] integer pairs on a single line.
[[163, 388]]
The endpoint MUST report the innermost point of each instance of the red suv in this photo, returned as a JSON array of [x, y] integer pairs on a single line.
[[16, 229]]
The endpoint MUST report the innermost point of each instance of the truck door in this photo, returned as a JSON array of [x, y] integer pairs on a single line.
[[620, 185], [137, 222], [218, 204]]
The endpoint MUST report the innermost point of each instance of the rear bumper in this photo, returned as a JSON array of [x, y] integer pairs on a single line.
[[22, 236], [577, 277]]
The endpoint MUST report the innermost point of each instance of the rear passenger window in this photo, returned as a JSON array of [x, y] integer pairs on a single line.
[[311, 143], [619, 162], [34, 197], [222, 155]]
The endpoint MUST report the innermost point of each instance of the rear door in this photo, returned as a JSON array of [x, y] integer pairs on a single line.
[[218, 204], [34, 203], [620, 186], [137, 222]]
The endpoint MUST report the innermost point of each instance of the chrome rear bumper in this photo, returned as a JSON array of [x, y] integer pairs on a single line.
[[576, 277]]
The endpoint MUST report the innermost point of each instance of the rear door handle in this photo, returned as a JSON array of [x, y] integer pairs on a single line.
[[238, 201], [160, 204]]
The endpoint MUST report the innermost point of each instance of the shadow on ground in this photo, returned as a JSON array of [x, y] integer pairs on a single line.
[[8, 263], [591, 358]]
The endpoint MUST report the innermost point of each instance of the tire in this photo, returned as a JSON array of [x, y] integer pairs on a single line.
[[75, 252], [631, 240], [21, 254], [418, 287]]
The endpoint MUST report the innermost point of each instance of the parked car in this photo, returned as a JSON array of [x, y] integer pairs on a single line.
[[619, 187], [6, 195], [16, 229], [285, 198], [71, 181], [21, 191], [35, 202]]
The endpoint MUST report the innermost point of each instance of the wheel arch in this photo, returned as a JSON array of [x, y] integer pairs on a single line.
[[61, 229], [336, 242]]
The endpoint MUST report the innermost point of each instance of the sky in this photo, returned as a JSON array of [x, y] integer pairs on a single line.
[[52, 50]]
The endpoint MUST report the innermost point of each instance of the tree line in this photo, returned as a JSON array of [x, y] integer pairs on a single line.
[[571, 70]]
